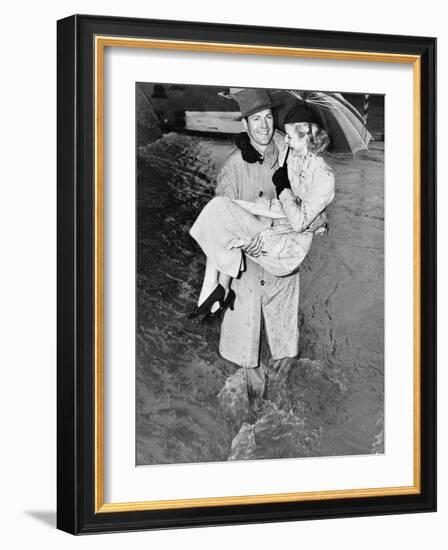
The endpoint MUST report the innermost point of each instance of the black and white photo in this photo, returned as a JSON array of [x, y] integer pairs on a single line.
[[260, 273]]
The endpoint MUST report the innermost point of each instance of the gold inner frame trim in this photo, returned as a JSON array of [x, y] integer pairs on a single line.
[[101, 42]]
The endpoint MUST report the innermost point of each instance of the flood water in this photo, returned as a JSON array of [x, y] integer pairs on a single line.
[[192, 405]]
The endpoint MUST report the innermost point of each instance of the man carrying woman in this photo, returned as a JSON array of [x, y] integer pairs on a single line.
[[258, 230]]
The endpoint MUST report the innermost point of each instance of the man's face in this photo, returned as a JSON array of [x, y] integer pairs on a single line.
[[260, 127]]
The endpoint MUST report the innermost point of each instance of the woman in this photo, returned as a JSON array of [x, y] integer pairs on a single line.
[[280, 231]]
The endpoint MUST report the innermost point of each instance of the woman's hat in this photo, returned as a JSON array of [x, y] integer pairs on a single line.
[[302, 112], [251, 100]]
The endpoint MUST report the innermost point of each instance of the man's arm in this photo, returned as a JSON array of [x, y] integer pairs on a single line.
[[228, 186]]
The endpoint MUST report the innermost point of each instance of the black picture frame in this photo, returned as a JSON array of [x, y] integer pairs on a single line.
[[77, 510]]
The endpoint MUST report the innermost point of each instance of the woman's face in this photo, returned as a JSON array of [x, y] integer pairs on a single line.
[[297, 136]]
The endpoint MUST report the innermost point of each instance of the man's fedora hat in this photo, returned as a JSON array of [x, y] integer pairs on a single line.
[[251, 100]]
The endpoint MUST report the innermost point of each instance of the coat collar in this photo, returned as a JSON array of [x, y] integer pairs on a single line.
[[271, 154]]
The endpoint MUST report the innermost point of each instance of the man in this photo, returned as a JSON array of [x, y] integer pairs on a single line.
[[264, 303]]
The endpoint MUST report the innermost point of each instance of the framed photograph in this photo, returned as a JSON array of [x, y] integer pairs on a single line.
[[246, 274]]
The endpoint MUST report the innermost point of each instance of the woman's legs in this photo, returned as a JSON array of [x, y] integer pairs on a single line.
[[219, 223], [224, 281], [211, 278]]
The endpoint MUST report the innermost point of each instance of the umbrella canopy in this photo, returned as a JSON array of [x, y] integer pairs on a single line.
[[343, 123]]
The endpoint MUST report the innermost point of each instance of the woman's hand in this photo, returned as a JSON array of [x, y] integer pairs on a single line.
[[280, 179], [255, 247]]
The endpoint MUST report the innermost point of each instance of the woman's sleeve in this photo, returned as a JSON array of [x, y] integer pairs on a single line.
[[302, 212]]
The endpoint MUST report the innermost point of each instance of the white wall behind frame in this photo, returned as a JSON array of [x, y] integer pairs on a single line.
[[27, 290]]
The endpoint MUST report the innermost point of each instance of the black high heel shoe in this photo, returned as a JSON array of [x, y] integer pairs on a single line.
[[229, 302], [216, 296]]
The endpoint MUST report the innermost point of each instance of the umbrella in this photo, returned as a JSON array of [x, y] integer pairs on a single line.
[[343, 123]]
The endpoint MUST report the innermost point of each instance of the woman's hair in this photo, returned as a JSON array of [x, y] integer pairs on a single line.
[[318, 139]]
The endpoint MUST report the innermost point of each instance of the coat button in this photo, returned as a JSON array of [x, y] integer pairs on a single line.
[[260, 194], [262, 282]]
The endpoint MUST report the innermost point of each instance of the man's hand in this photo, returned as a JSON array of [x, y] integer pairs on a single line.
[[280, 179], [255, 247], [248, 151]]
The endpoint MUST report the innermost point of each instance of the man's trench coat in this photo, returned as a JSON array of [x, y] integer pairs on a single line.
[[258, 293]]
